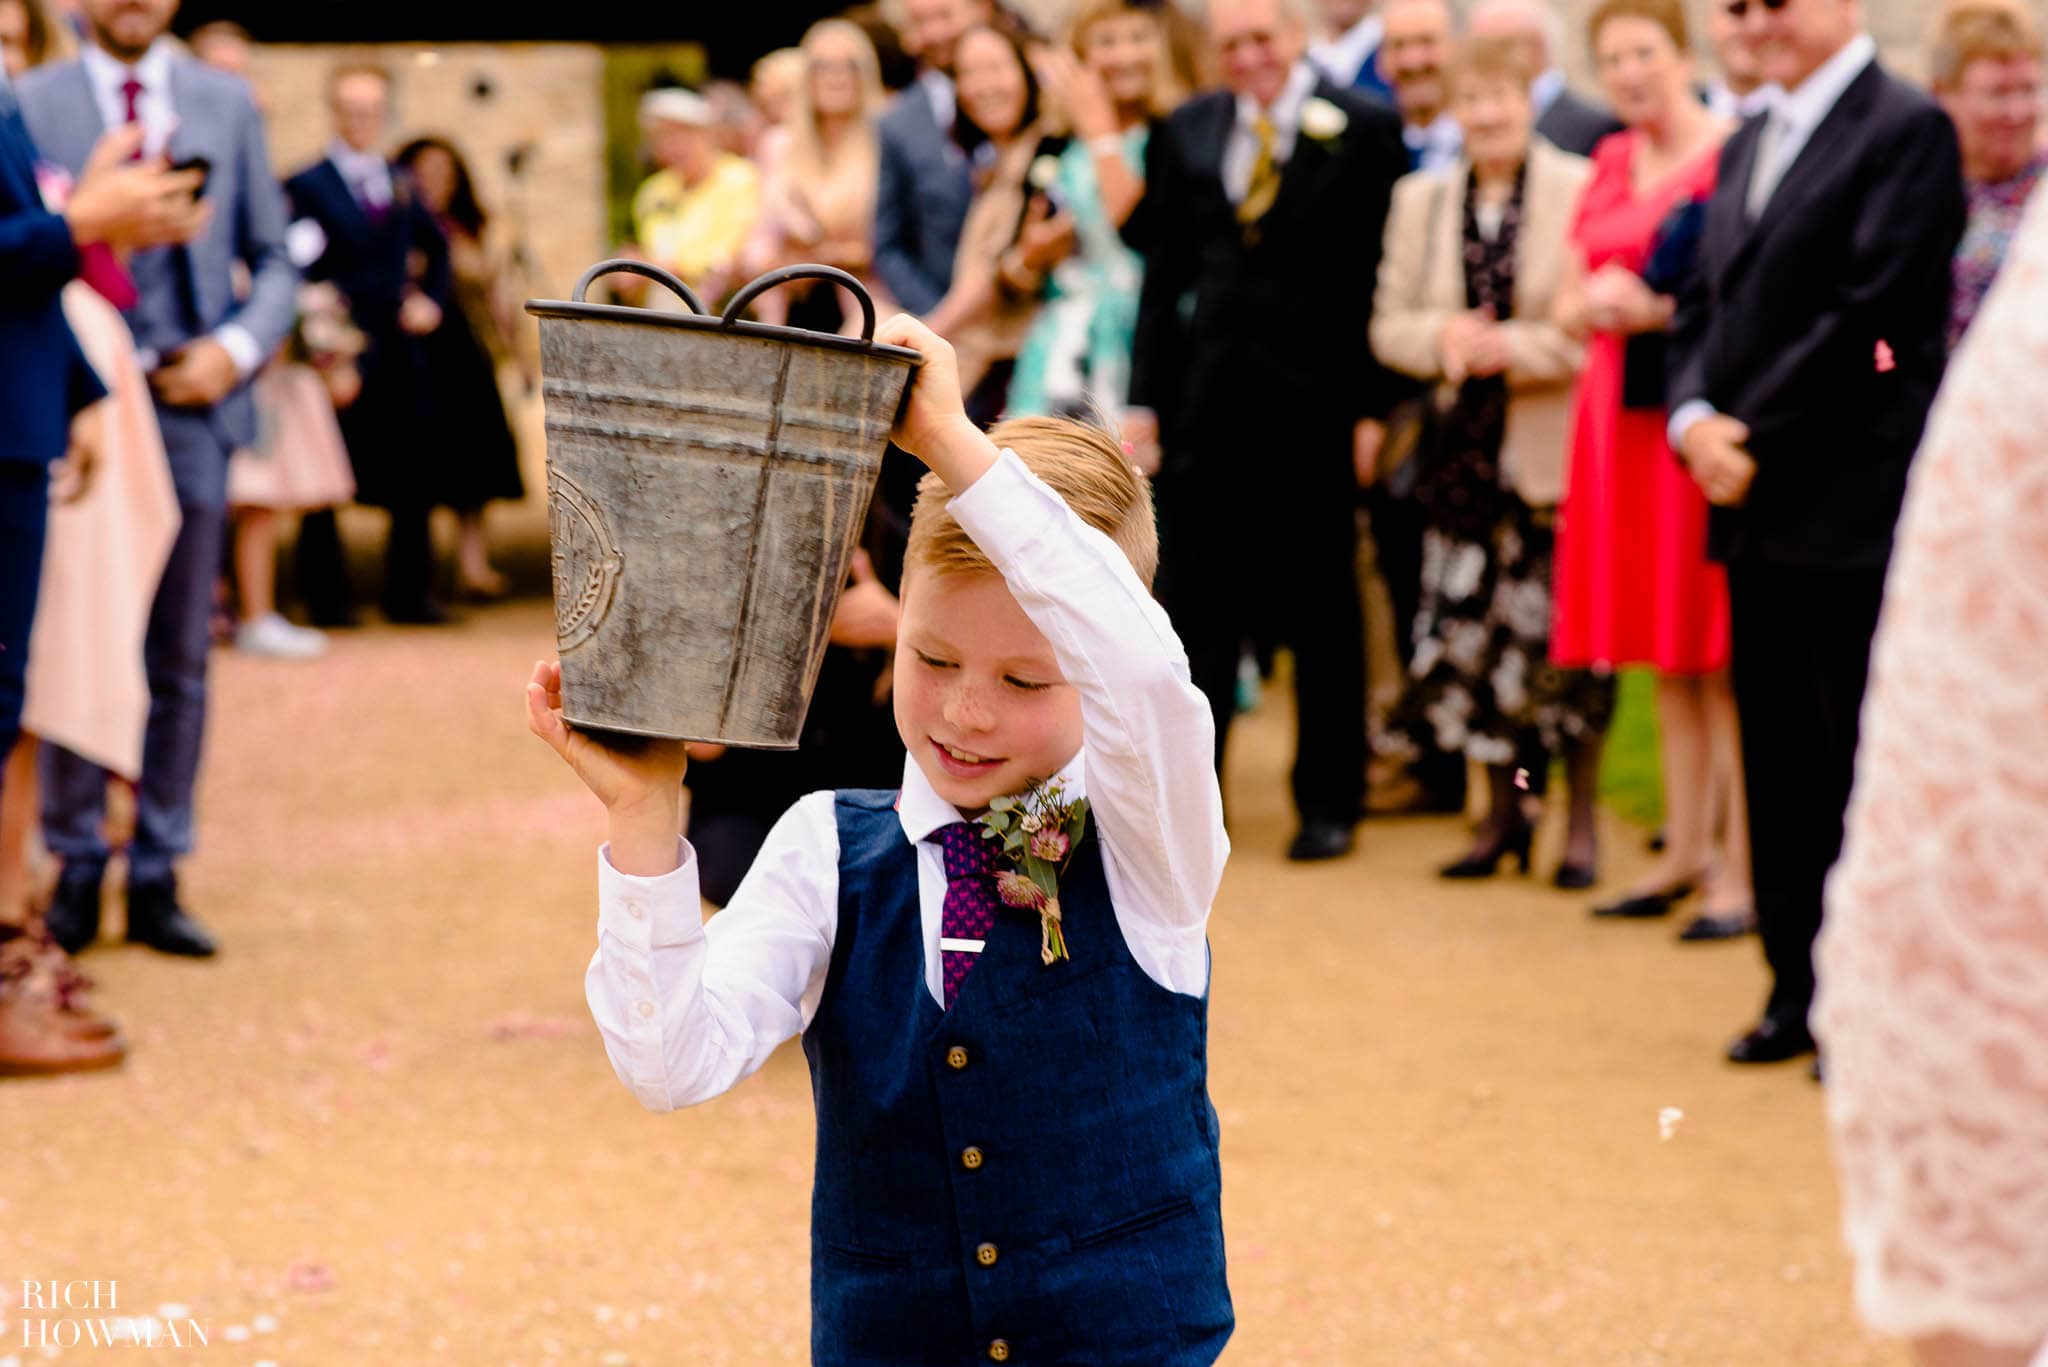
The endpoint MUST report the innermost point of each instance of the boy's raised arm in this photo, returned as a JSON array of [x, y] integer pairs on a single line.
[[1148, 731]]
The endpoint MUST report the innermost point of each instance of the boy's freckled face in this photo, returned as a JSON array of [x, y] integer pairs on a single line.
[[980, 701]]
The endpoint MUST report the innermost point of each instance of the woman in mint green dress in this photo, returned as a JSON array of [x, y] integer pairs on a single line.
[[1114, 80]]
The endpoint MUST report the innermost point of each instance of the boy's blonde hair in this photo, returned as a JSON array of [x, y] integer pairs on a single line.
[[1084, 465]]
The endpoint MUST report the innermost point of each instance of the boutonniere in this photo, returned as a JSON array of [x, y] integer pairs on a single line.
[[1322, 120], [1036, 835]]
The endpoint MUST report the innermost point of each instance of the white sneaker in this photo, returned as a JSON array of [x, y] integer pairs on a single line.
[[273, 637]]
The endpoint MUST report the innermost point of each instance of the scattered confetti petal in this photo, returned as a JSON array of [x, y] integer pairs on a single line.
[[1668, 1121], [264, 1324], [1522, 779], [526, 1025], [1887, 360], [174, 1311], [309, 1277], [236, 1333]]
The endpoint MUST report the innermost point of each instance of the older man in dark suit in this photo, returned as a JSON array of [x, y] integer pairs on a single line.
[[1264, 209], [925, 186], [1804, 360], [200, 342]]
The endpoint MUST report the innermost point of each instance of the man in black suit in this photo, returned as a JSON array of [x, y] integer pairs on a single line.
[[383, 250], [1804, 359], [1562, 117], [1253, 372]]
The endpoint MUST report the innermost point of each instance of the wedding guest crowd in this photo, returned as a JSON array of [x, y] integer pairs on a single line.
[[1626, 377]]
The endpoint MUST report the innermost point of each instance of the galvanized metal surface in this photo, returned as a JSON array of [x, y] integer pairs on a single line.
[[707, 485]]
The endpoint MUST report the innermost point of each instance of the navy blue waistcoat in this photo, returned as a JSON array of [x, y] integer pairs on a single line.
[[1030, 1177]]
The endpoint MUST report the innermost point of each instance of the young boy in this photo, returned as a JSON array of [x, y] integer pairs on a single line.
[[1016, 1158]]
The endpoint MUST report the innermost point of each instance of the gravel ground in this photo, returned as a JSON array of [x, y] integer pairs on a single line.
[[380, 1128]]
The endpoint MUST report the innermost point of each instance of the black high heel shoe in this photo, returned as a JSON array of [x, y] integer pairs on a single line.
[[1575, 877], [1647, 905], [1477, 865]]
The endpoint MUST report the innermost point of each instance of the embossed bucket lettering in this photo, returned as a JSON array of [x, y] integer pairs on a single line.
[[707, 483]]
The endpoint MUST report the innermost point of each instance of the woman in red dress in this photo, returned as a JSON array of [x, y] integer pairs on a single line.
[[1634, 585]]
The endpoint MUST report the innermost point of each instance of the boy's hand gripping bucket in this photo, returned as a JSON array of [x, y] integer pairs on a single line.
[[707, 484]]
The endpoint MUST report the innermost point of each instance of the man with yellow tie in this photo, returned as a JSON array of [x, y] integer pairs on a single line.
[[1253, 375]]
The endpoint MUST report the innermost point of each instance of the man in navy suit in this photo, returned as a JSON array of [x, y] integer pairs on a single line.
[[200, 341], [925, 186], [44, 377], [1804, 359], [385, 253]]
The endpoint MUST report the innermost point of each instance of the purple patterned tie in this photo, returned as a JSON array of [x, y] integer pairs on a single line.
[[971, 903]]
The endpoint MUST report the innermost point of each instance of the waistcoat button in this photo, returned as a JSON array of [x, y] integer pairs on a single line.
[[970, 1158], [956, 1057], [999, 1351], [986, 1256]]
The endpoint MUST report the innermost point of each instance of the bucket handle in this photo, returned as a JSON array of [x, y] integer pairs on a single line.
[[653, 272], [755, 289]]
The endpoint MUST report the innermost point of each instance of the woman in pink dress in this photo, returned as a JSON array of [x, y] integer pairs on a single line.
[[1634, 585]]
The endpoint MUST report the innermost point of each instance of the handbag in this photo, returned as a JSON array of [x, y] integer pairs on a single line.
[[1674, 256]]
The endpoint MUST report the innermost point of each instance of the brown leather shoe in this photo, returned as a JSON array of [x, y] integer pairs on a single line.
[[35, 1043]]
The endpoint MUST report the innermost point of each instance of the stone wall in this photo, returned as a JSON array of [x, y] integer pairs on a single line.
[[490, 100]]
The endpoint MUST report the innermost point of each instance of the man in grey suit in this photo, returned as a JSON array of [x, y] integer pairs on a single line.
[[925, 184], [1563, 118], [200, 345]]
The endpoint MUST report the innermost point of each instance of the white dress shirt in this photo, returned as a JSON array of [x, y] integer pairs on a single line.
[[1343, 58], [1725, 103], [945, 100], [688, 1008], [1434, 145], [1241, 149], [159, 121], [1794, 116], [152, 106]]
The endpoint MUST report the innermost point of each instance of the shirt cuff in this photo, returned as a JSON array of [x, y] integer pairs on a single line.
[[241, 344], [646, 912], [1684, 418]]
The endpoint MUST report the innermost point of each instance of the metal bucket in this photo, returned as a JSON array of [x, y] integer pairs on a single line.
[[707, 484]]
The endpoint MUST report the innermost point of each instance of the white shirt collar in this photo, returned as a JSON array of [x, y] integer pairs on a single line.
[[1729, 105], [1438, 143], [923, 811], [1802, 110], [1286, 108], [1345, 56], [1544, 90], [109, 73], [357, 167]]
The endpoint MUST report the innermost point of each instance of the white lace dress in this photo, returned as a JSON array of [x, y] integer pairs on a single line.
[[1933, 1006]]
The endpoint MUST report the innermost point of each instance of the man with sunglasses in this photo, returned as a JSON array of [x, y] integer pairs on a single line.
[[1804, 359]]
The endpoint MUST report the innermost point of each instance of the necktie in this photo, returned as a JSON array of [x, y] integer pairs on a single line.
[[131, 92], [1264, 184], [1765, 174], [971, 905]]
